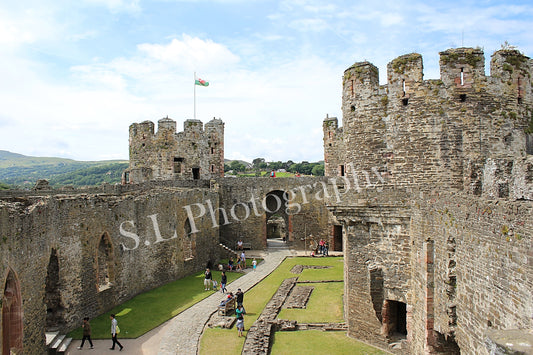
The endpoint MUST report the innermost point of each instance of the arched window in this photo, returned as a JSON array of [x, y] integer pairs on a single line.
[[189, 241], [12, 316], [54, 307], [105, 274]]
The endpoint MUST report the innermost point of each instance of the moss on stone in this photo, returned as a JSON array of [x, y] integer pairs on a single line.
[[529, 129], [400, 64]]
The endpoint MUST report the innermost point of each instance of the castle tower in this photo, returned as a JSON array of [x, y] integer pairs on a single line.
[[363, 124], [333, 166], [191, 154], [214, 131]]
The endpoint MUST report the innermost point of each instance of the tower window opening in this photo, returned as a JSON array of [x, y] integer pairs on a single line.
[[405, 101], [403, 87], [352, 108], [462, 77], [519, 85], [462, 97], [352, 88]]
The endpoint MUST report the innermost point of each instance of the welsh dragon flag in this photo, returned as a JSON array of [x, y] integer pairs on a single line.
[[201, 82]]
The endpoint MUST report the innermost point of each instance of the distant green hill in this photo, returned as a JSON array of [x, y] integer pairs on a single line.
[[23, 171]]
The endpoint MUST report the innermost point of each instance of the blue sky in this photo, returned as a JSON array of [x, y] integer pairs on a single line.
[[75, 74]]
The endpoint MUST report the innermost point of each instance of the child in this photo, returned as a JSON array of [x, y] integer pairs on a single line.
[[215, 285], [254, 263]]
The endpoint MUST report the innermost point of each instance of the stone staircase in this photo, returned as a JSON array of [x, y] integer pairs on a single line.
[[57, 343], [229, 250]]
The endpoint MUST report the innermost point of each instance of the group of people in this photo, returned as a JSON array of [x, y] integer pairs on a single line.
[[86, 326], [239, 311], [240, 264], [322, 248]]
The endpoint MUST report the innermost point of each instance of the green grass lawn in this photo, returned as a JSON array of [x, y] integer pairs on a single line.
[[226, 342], [150, 309], [317, 342], [324, 306]]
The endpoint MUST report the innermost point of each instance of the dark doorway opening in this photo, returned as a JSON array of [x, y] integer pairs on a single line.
[[376, 291], [394, 315], [277, 219], [196, 173], [11, 316], [54, 308], [276, 227], [178, 165], [337, 238]]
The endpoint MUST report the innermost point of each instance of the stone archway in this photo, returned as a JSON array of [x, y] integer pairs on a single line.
[[11, 315], [54, 307], [188, 241], [105, 271], [276, 215]]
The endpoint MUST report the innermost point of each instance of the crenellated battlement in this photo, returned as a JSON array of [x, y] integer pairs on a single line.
[[418, 131], [194, 153]]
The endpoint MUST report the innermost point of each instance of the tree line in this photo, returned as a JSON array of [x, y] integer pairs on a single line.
[[259, 165]]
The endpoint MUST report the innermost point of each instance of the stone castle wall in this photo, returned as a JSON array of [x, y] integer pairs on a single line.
[[431, 132], [438, 216], [113, 242], [482, 270], [304, 212], [109, 247]]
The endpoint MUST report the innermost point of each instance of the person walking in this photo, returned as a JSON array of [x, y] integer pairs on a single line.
[[243, 260], [207, 279], [239, 313], [223, 282], [254, 264], [114, 331], [86, 333]]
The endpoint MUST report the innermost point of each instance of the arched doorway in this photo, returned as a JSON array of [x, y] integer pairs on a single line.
[[277, 219], [276, 227], [54, 308], [105, 271], [11, 315], [189, 241]]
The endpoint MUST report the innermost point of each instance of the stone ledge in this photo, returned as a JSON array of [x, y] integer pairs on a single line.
[[510, 342]]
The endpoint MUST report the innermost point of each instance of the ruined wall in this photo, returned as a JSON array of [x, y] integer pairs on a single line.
[[405, 148], [307, 213], [109, 248], [194, 153], [483, 267], [377, 258]]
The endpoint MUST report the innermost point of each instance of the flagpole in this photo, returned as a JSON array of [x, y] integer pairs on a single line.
[[194, 83]]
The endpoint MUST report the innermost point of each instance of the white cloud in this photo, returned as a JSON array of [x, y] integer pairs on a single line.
[[191, 52], [117, 5]]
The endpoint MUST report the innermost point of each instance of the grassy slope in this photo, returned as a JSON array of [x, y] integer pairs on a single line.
[[18, 169]]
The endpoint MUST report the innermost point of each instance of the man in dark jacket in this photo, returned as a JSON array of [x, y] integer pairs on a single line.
[[86, 333], [239, 297]]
